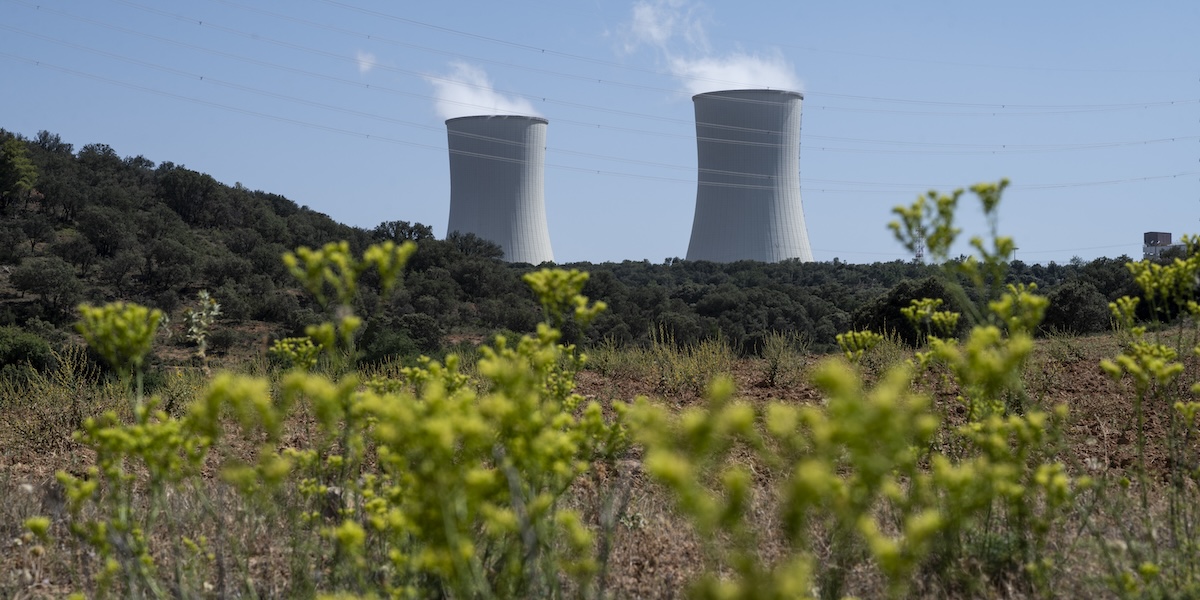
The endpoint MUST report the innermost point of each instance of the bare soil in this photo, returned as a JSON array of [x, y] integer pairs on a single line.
[[654, 552]]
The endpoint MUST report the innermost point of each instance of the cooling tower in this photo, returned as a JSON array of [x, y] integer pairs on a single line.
[[748, 193], [496, 183]]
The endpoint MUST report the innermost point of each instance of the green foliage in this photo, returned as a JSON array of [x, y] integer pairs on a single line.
[[855, 343], [461, 477], [334, 268], [402, 231], [18, 174], [52, 279], [687, 369], [924, 315], [1158, 557], [122, 334], [853, 480], [423, 330], [929, 222], [20, 348], [1078, 308], [300, 353], [429, 488], [783, 356], [559, 291], [862, 475], [199, 321], [139, 232], [891, 312]]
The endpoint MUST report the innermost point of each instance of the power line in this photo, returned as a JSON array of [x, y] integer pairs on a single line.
[[361, 135], [438, 129], [954, 148], [996, 108], [613, 64], [566, 167]]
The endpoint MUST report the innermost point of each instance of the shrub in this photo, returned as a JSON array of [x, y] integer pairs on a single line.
[[862, 481], [21, 348], [783, 357], [51, 278], [423, 330], [886, 312], [386, 343], [1077, 307], [430, 485]]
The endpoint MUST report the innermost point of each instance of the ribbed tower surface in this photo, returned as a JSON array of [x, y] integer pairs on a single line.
[[497, 172], [748, 188]]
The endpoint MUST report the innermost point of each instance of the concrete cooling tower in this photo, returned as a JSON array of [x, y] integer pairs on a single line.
[[497, 165], [748, 193]]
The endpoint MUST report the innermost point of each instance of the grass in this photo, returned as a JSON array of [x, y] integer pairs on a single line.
[[689, 368], [784, 356], [267, 551]]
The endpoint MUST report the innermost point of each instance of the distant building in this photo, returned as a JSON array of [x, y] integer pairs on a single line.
[[1154, 243]]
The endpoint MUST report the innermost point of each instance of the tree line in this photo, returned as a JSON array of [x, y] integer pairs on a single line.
[[89, 225]]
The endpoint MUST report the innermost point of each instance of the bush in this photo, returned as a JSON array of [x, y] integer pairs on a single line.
[[221, 340], [423, 330], [783, 357], [380, 344], [51, 278], [429, 485], [167, 301], [1077, 307], [21, 348], [884, 313]]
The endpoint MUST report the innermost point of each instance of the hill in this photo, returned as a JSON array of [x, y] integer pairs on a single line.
[[87, 225]]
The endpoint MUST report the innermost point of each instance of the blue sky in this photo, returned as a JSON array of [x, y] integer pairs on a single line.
[[1092, 109]]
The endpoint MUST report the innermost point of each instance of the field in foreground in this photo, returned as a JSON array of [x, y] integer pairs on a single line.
[[655, 551]]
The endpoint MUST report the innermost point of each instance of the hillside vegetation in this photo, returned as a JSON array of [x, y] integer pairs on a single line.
[[959, 446], [91, 226]]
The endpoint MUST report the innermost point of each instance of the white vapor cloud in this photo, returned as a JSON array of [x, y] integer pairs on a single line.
[[656, 22], [676, 30], [467, 91], [366, 62], [735, 71]]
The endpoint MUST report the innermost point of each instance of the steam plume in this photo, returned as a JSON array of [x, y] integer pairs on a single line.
[[737, 70], [676, 30], [366, 62], [466, 91]]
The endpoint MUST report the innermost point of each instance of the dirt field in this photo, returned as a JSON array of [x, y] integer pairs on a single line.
[[655, 553]]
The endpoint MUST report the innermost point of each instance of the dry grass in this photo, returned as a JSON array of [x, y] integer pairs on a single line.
[[654, 552]]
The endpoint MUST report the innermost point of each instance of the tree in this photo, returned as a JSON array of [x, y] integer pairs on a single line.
[[169, 263], [1077, 307], [116, 271], [100, 163], [77, 251], [884, 313], [470, 244], [12, 244], [21, 351], [399, 231], [38, 228], [187, 192], [17, 173], [51, 278], [53, 144], [107, 229]]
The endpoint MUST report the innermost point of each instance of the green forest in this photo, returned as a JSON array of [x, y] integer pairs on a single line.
[[87, 225]]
